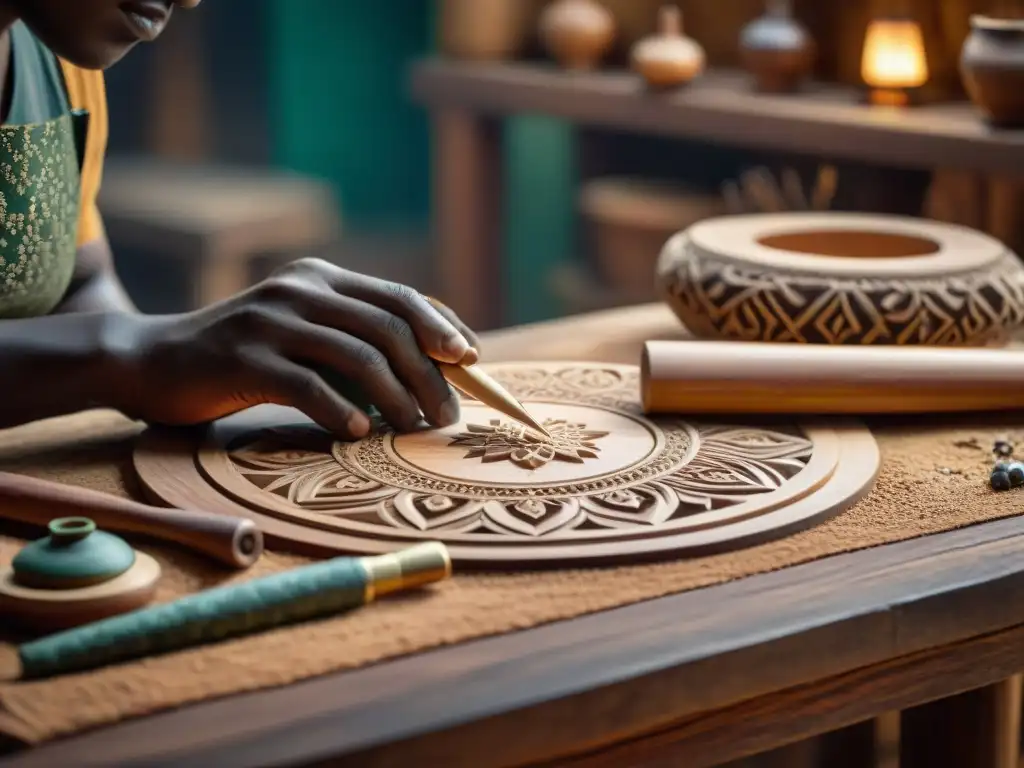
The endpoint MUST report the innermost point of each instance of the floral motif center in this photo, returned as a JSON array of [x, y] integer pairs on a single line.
[[507, 441]]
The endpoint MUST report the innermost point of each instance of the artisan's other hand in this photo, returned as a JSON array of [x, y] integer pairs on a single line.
[[265, 345]]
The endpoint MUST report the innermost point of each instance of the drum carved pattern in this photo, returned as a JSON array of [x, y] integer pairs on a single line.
[[716, 298], [694, 468]]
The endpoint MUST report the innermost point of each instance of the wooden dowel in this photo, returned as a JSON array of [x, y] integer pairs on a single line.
[[234, 541], [741, 377]]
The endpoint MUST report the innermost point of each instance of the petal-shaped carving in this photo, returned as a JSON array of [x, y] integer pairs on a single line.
[[534, 517], [748, 443], [287, 447], [430, 513], [711, 477], [336, 489], [648, 504]]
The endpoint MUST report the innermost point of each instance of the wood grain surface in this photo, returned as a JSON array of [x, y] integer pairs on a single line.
[[705, 676]]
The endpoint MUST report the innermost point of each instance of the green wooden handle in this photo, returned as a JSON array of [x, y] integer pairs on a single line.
[[216, 614]]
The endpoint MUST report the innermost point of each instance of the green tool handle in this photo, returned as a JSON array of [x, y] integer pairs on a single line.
[[217, 614]]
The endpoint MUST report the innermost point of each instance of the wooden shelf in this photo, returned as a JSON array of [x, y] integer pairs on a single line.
[[721, 108]]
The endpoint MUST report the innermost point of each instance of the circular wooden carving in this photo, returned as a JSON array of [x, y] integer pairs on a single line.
[[609, 484], [835, 278]]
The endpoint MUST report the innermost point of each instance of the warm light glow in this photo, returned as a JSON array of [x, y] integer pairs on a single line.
[[894, 55]]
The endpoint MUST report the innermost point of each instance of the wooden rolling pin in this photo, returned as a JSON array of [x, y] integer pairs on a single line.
[[232, 540], [738, 377]]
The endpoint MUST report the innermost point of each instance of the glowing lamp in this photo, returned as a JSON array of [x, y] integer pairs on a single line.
[[893, 60]]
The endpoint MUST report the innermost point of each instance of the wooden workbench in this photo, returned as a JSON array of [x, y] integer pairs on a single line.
[[933, 626]]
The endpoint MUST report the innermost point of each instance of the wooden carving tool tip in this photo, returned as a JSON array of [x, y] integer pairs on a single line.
[[475, 383]]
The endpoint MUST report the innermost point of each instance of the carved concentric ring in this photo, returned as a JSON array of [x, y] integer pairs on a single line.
[[607, 484]]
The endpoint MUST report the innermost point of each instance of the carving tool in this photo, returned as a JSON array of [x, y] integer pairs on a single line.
[[824, 188], [473, 382], [793, 190], [301, 594], [732, 377], [733, 198], [468, 379], [760, 186], [234, 541]]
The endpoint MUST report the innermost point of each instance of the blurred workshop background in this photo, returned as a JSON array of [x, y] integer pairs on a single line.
[[256, 131]]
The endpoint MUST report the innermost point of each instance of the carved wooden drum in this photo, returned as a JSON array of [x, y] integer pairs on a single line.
[[842, 278], [609, 485]]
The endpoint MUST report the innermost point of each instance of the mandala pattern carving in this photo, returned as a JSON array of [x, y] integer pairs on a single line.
[[719, 299], [698, 468], [507, 441]]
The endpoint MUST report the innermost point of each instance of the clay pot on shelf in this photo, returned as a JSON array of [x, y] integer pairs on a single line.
[[577, 33], [629, 220], [634, 20], [992, 67], [486, 30], [842, 278], [669, 58], [776, 49]]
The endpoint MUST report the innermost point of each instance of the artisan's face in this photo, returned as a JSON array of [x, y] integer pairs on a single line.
[[95, 34]]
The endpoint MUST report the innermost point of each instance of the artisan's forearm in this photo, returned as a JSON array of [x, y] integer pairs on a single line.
[[101, 292], [95, 286], [61, 364]]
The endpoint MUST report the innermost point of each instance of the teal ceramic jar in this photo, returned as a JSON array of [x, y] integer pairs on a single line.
[[74, 555]]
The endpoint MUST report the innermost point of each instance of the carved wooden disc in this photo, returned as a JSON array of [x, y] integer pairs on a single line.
[[610, 484]]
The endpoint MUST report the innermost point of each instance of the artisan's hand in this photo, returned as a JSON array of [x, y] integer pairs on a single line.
[[266, 345]]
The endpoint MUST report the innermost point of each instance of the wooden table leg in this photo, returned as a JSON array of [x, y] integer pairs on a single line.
[[467, 217], [977, 729]]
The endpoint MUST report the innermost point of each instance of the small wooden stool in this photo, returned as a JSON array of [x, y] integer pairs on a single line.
[[220, 218]]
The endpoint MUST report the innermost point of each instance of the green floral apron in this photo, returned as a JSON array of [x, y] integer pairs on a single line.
[[41, 150]]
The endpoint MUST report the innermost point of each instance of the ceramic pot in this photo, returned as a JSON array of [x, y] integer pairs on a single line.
[[992, 68], [670, 58], [577, 33], [776, 49], [842, 278], [634, 20], [486, 30], [629, 220]]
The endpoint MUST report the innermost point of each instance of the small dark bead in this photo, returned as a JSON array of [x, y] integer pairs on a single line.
[[1002, 448], [1002, 466], [1000, 481], [1016, 474]]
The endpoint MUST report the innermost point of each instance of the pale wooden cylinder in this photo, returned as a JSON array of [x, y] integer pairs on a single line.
[[739, 377]]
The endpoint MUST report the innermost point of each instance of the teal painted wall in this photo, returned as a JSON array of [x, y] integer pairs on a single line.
[[340, 111], [339, 103], [540, 189]]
